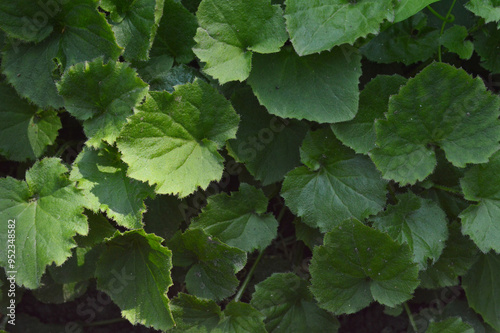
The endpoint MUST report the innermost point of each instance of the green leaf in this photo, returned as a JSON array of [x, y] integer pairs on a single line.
[[134, 271], [102, 96], [239, 220], [79, 267], [240, 318], [172, 140], [266, 144], [134, 24], [175, 33], [80, 33], [450, 325], [231, 30], [47, 209], [457, 258], [213, 264], [316, 26], [440, 107], [321, 87], [487, 45], [107, 188], [406, 8], [359, 133], [358, 264], [163, 216], [287, 303], [25, 131], [481, 221], [487, 9], [193, 314], [51, 292], [408, 42], [420, 223], [454, 40], [335, 184], [482, 288]]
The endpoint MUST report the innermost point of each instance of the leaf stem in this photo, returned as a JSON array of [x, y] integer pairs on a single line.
[[410, 317], [447, 20], [248, 277], [104, 322], [447, 189]]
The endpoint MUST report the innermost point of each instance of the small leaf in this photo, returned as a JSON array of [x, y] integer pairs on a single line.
[[321, 87], [481, 221], [193, 314], [134, 271], [482, 288], [287, 303], [213, 264], [172, 140], [450, 325], [358, 264], [464, 123], [336, 184], [418, 222], [317, 26], [102, 95], [231, 30], [240, 317], [454, 40], [47, 209]]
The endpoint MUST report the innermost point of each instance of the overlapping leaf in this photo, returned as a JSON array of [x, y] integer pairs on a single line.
[[134, 271], [134, 24], [418, 222], [358, 264], [230, 31], [487, 9], [78, 33], [240, 318], [319, 25], [239, 220], [441, 107], [25, 131], [193, 314], [321, 88], [47, 208], [268, 145], [359, 133], [172, 140], [335, 184], [287, 303], [481, 222], [107, 188], [213, 264], [102, 96]]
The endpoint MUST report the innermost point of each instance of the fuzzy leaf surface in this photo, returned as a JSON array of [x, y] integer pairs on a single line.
[[134, 271], [321, 87], [172, 140], [440, 107], [47, 208], [102, 96], [358, 264], [335, 184]]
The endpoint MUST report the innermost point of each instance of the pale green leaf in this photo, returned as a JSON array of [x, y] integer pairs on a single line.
[[359, 133], [81, 33], [440, 107], [47, 209], [134, 24], [319, 25], [107, 188], [231, 30], [450, 325], [335, 184], [481, 221], [454, 40], [25, 131], [321, 87], [172, 140], [357, 265], [102, 96], [213, 264], [483, 290], [487, 9], [194, 315], [240, 318], [418, 222], [406, 8], [134, 271], [266, 144], [239, 220], [288, 305]]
